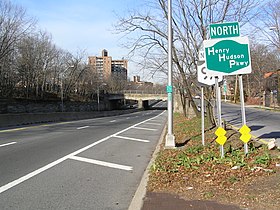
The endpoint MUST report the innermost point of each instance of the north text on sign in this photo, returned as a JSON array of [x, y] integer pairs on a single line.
[[224, 30]]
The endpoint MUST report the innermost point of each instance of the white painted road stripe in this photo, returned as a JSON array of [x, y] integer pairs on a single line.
[[83, 127], [148, 129], [152, 123], [113, 120], [44, 168], [3, 145], [102, 163], [50, 165], [133, 139]]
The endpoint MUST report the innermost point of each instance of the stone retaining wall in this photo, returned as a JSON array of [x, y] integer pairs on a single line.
[[28, 106], [7, 120]]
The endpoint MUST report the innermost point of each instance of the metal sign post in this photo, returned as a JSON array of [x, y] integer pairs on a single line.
[[225, 89], [170, 138], [219, 113], [242, 109], [218, 102], [202, 115]]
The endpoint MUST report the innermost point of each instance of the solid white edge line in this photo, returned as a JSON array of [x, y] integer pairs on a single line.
[[3, 145], [132, 139], [54, 163], [102, 163], [82, 127]]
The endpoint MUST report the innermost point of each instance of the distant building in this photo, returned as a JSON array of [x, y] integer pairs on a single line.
[[119, 69], [136, 79], [106, 68], [137, 83], [272, 80]]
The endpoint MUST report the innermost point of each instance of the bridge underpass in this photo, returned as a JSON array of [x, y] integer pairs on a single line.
[[141, 98]]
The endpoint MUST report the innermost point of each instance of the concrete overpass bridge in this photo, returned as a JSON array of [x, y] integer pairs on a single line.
[[142, 97]]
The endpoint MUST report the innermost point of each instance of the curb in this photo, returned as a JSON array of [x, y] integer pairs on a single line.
[[138, 198]]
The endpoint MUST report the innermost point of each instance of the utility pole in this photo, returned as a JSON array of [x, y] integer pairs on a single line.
[[170, 138]]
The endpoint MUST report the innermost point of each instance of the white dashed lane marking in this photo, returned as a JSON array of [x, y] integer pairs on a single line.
[[7, 144], [82, 127]]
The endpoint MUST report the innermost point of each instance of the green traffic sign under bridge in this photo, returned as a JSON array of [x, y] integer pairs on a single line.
[[227, 56]]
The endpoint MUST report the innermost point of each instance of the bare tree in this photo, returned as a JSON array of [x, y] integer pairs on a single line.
[[35, 55], [31, 66], [266, 56], [270, 26], [263, 60], [14, 24], [147, 32]]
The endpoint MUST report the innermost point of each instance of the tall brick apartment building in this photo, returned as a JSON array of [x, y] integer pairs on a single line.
[[107, 68]]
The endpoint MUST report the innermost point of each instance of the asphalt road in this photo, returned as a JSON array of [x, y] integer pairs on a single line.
[[87, 164], [264, 124]]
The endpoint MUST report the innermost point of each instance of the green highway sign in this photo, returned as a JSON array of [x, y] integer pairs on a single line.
[[229, 56], [224, 30]]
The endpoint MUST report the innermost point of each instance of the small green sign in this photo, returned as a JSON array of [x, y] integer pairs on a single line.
[[228, 56], [224, 30], [169, 89]]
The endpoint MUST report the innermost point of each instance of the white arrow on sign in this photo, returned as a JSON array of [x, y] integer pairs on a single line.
[[203, 77]]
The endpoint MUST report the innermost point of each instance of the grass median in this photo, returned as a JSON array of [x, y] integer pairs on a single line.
[[196, 172]]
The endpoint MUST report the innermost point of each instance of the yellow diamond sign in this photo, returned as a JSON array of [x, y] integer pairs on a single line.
[[220, 132], [244, 129], [245, 137], [221, 140]]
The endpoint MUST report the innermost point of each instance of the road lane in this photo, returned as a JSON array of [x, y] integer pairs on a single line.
[[263, 123], [111, 143], [35, 145]]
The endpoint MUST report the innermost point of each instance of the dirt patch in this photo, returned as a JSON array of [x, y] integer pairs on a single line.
[[196, 172], [165, 201]]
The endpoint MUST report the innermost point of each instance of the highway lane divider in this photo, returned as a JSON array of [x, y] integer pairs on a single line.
[[7, 144]]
